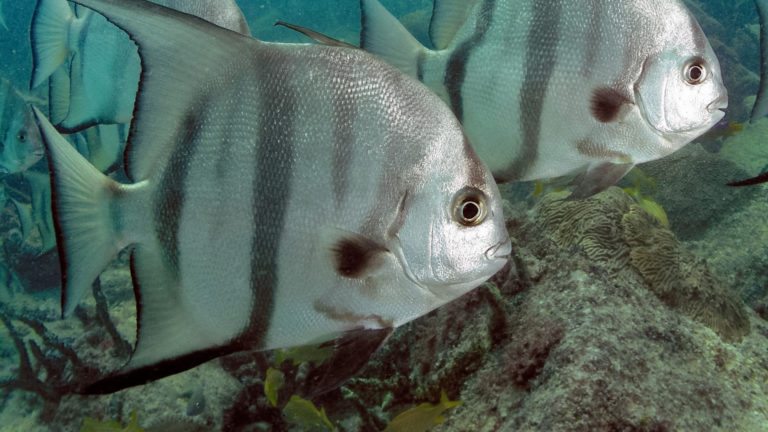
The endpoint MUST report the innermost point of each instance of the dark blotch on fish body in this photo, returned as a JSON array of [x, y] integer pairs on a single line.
[[354, 257], [606, 104]]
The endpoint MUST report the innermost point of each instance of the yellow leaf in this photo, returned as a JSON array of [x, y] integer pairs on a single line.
[[272, 385]]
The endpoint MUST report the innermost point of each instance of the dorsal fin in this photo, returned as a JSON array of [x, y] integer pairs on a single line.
[[171, 45], [447, 18]]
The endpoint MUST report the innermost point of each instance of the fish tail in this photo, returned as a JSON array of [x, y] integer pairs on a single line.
[[86, 212], [50, 34], [383, 35]]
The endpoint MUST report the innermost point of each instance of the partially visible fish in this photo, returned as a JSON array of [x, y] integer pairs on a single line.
[[760, 108], [547, 88], [99, 62], [2, 17], [282, 195], [20, 142]]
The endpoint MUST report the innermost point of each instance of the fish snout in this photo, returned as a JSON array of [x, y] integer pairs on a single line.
[[719, 104]]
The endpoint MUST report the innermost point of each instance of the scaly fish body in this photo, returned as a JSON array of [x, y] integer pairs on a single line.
[[282, 195], [20, 142], [547, 88], [93, 65]]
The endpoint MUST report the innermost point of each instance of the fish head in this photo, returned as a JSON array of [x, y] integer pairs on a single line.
[[453, 237], [680, 91], [21, 146]]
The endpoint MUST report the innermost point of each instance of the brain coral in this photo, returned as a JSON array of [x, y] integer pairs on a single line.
[[614, 232]]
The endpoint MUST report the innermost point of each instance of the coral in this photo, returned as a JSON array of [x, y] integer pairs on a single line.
[[615, 232], [681, 280]]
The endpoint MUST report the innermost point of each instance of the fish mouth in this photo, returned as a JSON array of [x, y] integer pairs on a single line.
[[501, 250]]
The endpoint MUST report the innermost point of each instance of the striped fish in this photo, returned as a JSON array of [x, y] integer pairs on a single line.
[[282, 195], [20, 142], [547, 88], [92, 66]]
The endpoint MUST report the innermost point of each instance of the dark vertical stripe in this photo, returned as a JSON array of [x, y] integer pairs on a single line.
[[456, 69], [271, 186], [593, 39], [169, 198], [344, 115], [540, 58]]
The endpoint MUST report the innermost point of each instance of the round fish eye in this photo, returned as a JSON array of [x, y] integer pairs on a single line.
[[695, 72], [469, 208], [21, 136]]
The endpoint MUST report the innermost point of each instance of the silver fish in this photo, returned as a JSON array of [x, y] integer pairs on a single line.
[[282, 195], [20, 142], [547, 88], [93, 66]]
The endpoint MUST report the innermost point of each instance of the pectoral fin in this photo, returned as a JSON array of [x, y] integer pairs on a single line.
[[351, 353], [315, 35], [598, 178]]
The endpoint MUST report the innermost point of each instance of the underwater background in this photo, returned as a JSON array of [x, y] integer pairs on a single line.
[[644, 311]]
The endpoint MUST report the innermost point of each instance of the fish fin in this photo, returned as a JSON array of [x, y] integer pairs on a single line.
[[762, 178], [82, 200], [315, 35], [607, 104], [598, 178], [168, 340], [760, 108], [354, 255], [171, 45], [383, 35], [447, 18], [24, 212], [58, 95], [50, 34], [351, 353]]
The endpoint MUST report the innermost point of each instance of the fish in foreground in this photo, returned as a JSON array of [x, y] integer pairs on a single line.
[[547, 88], [92, 66], [282, 195], [20, 142]]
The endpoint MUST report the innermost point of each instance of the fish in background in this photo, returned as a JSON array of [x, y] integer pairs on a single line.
[[91, 67], [548, 88], [760, 108], [283, 194], [2, 17], [20, 142]]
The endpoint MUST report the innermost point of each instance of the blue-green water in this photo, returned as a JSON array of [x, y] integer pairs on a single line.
[[609, 321]]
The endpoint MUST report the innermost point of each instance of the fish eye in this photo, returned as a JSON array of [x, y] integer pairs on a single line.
[[469, 208], [695, 71], [21, 137]]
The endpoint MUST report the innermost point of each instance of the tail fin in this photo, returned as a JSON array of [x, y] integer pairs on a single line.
[[50, 33], [383, 35], [83, 202]]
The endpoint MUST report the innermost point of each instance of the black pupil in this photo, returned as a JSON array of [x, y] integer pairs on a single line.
[[470, 210], [695, 73]]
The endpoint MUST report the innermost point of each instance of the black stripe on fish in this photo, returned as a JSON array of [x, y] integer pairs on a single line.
[[540, 58], [420, 60], [271, 186], [606, 104], [593, 39], [170, 192], [456, 68], [344, 116]]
